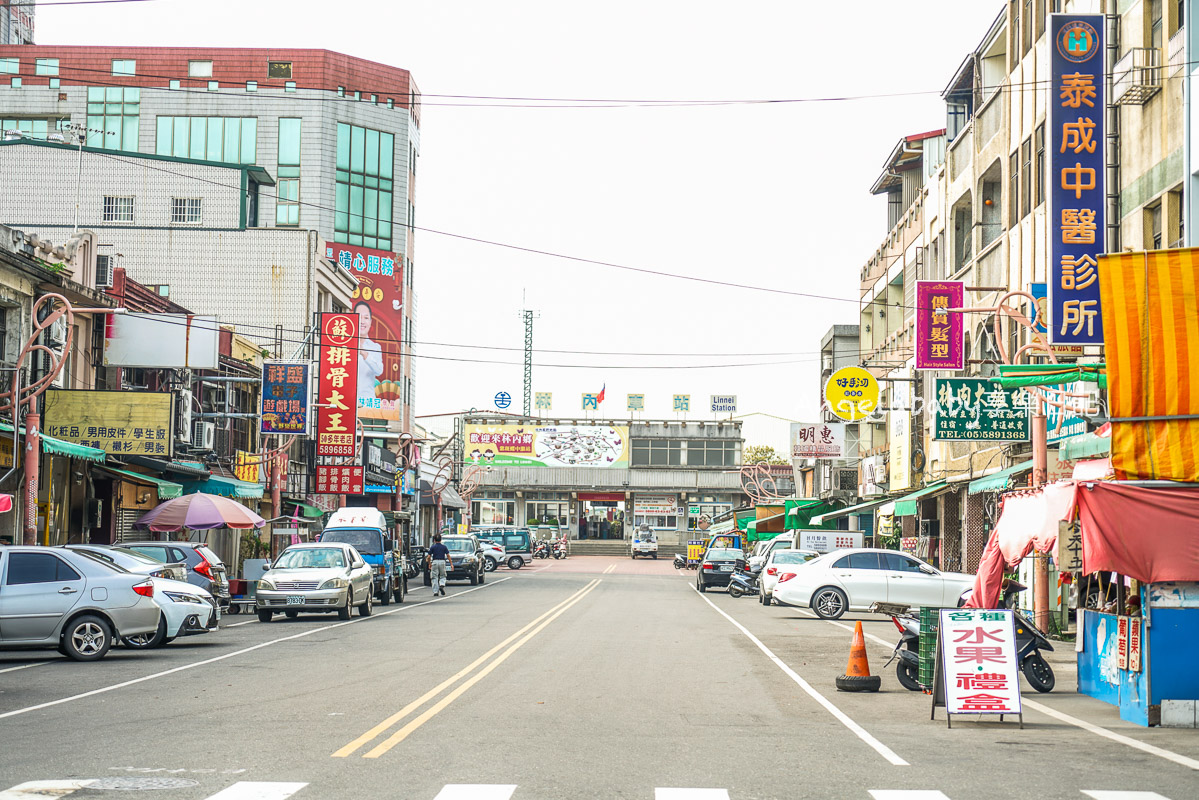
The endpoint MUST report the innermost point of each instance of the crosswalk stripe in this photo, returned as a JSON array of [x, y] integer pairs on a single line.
[[476, 791], [691, 794], [32, 789], [258, 790], [1122, 795], [907, 794]]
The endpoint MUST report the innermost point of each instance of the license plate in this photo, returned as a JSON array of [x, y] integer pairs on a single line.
[[726, 568], [295, 600]]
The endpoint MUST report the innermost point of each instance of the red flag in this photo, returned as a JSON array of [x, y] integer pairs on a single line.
[[599, 398]]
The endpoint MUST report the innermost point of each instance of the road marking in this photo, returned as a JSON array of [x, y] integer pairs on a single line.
[[27, 666], [1115, 737], [258, 790], [691, 794], [404, 732], [1098, 795], [243, 651], [436, 690], [236, 624], [476, 791], [33, 789], [608, 569], [869, 636], [907, 794], [841, 716]]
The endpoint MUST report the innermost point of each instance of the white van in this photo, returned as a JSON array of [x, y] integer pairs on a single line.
[[366, 530]]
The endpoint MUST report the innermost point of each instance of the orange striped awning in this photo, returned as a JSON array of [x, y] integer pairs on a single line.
[[1151, 336]]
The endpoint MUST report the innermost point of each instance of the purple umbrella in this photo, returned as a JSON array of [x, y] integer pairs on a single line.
[[199, 512]]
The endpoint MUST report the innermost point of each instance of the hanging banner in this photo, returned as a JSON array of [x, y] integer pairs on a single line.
[[552, 445], [817, 440], [137, 423], [900, 423], [940, 337], [246, 466], [284, 397], [978, 661], [1077, 196], [337, 376]]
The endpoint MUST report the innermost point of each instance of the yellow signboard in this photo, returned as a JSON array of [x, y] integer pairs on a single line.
[[245, 466], [121, 423], [851, 393]]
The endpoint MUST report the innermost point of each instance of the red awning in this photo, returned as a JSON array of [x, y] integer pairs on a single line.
[[1148, 534]]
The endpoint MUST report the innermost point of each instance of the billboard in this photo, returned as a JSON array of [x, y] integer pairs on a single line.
[[284, 397], [817, 440], [530, 445], [121, 423], [972, 409], [940, 336], [167, 341], [337, 375], [379, 303]]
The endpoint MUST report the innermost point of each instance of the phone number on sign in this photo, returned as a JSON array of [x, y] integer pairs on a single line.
[[952, 434]]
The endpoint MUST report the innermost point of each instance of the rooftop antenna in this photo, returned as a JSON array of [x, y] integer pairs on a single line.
[[528, 315]]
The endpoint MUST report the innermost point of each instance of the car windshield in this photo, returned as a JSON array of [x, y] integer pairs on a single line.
[[459, 545], [722, 554], [367, 541], [793, 557], [311, 558]]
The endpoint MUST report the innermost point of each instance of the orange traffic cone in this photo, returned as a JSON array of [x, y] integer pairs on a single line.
[[857, 677]]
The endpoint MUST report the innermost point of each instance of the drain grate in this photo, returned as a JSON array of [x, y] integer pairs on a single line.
[[141, 784]]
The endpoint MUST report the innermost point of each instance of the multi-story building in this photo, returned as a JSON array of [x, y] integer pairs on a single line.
[[303, 140], [16, 23]]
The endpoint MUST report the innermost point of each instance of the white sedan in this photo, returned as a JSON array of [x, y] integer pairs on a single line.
[[186, 611], [853, 580], [781, 566]]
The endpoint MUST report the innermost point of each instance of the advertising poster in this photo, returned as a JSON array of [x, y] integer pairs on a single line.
[[379, 304], [978, 661], [284, 397], [134, 423], [940, 337], [900, 422], [655, 504], [336, 418], [528, 445]]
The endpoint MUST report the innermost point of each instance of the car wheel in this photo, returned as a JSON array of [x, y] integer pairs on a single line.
[[482, 576], [291, 614], [428, 578], [146, 641], [385, 596], [87, 638], [401, 590], [655, 556], [699, 585], [474, 578], [767, 599], [516, 562], [265, 614], [490, 564], [368, 606], [829, 602], [633, 556], [344, 611]]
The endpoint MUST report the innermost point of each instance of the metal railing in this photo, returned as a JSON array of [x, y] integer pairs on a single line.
[[1137, 76]]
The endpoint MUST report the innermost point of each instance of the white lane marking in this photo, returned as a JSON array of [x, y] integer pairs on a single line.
[[476, 791], [869, 636], [1115, 737], [26, 666], [33, 789], [243, 651], [258, 790], [691, 794], [1119, 795], [234, 625], [907, 794], [841, 716]]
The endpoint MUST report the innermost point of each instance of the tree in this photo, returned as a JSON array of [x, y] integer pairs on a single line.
[[760, 453]]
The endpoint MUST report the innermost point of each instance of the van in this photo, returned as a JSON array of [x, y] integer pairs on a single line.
[[517, 543], [365, 529]]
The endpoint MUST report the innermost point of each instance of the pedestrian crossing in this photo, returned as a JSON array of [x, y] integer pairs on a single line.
[[933, 794]]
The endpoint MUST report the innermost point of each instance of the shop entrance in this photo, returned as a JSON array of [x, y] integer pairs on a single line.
[[601, 516]]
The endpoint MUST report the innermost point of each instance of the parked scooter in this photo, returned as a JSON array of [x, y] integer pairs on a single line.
[[743, 582], [558, 548], [541, 549], [907, 650], [680, 561]]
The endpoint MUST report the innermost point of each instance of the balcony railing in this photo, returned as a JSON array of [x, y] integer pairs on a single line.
[[1176, 53], [1137, 76]]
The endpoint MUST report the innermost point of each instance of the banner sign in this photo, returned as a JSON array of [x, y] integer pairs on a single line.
[[1041, 323], [695, 550], [336, 418], [635, 402], [246, 466], [543, 401], [900, 423], [528, 445], [1077, 196], [978, 661], [284, 397], [655, 504], [724, 403], [164, 341], [682, 402], [1069, 546], [940, 337], [971, 409], [1073, 418], [828, 541], [817, 440], [337, 480], [379, 304], [121, 423], [851, 394]]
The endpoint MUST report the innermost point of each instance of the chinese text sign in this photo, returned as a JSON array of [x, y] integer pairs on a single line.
[[939, 333], [817, 440], [337, 480], [970, 409], [121, 423], [337, 376], [978, 661], [284, 397]]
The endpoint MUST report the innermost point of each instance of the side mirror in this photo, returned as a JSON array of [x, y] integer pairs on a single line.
[[266, 566], [927, 570]]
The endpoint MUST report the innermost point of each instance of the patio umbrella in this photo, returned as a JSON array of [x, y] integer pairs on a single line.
[[199, 512]]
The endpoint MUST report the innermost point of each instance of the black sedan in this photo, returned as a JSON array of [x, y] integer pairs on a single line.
[[466, 556], [717, 567]]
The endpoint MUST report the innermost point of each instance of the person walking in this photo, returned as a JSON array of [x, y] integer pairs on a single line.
[[439, 559]]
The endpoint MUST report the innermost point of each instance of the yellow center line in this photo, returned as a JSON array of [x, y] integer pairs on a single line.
[[609, 569], [403, 733], [429, 695]]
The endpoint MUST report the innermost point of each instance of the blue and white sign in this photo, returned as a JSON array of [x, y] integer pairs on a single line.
[[502, 399], [1073, 417], [1077, 194], [724, 403]]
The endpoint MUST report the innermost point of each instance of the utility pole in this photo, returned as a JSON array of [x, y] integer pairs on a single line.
[[528, 315]]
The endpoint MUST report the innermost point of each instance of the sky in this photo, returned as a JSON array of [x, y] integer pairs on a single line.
[[771, 195]]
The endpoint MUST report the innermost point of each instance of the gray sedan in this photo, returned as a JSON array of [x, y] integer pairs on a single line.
[[133, 561], [72, 601], [316, 577]]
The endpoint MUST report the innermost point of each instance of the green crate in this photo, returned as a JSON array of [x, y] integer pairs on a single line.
[[929, 620]]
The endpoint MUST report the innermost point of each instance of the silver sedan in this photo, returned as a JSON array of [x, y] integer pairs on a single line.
[[316, 578]]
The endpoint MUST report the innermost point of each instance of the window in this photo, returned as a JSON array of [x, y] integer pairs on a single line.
[[45, 66], [17, 83], [174, 83], [124, 66], [363, 203], [232, 140], [1155, 23], [357, 95], [492, 512], [10, 66], [341, 91], [251, 86], [112, 117], [287, 191], [1026, 26], [185, 210], [1038, 174], [3, 333], [278, 69], [547, 514], [1025, 177], [55, 83], [1013, 190], [697, 510], [213, 85], [391, 103], [657, 453], [199, 69], [656, 521], [290, 86], [25, 568], [859, 561], [897, 562], [118, 209], [710, 453], [1153, 228]]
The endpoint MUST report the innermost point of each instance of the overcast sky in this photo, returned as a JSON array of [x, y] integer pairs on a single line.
[[772, 195]]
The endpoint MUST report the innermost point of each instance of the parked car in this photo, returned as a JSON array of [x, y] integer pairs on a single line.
[[853, 580], [466, 559], [762, 550], [717, 567], [72, 601], [316, 577], [187, 610], [205, 568], [518, 544], [493, 554], [780, 566], [133, 561]]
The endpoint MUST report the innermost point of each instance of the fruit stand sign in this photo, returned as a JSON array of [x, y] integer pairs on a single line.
[[977, 672]]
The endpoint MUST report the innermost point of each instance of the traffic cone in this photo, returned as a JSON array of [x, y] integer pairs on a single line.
[[857, 677]]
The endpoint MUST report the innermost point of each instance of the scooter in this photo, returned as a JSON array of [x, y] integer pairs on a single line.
[[680, 561], [907, 650], [743, 582], [541, 550], [559, 548]]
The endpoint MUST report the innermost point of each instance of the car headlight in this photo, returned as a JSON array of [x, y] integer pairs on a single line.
[[468, 559], [263, 583], [335, 583], [183, 598]]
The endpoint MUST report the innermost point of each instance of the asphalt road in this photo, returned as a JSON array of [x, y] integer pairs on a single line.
[[588, 678]]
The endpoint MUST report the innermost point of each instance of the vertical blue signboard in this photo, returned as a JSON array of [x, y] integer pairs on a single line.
[[1077, 197], [284, 397]]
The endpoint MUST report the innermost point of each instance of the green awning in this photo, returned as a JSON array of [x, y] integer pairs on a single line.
[[1086, 446], [821, 519], [167, 490], [311, 512], [801, 512], [1015, 375], [907, 506], [60, 448], [1000, 481], [225, 487]]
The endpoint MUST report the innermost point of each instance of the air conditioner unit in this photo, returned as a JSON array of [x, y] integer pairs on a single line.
[[183, 416], [204, 436], [104, 266], [56, 334]]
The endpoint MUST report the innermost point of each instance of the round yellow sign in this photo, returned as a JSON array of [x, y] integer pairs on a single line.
[[851, 393]]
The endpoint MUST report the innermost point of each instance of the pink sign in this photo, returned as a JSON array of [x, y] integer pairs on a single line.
[[940, 333]]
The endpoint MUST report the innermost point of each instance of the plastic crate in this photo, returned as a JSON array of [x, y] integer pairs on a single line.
[[929, 620]]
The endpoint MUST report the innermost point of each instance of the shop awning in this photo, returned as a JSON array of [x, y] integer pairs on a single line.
[[190, 469], [751, 530], [1089, 445], [60, 448], [449, 497], [845, 512], [225, 487], [311, 512], [1000, 481], [907, 506], [166, 489]]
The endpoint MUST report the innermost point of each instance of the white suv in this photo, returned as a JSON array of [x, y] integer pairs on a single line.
[[644, 544]]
